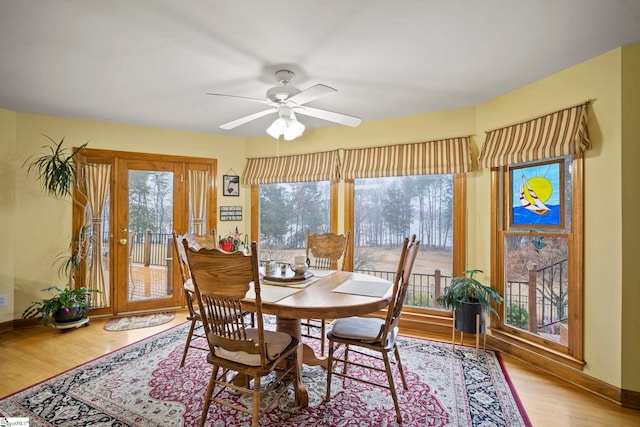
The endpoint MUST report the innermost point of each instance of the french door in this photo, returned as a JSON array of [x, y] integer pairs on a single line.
[[148, 197]]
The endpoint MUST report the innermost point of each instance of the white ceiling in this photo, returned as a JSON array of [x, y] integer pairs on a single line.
[[151, 62]]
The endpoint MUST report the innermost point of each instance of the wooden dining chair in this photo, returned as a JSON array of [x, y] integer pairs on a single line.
[[374, 334], [208, 241], [324, 252], [195, 329], [222, 280]]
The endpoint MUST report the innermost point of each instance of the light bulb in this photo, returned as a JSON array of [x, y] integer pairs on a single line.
[[277, 128], [294, 129]]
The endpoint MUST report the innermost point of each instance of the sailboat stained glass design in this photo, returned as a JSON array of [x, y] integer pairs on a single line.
[[537, 195]]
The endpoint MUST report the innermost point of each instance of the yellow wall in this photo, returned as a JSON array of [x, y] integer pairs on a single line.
[[43, 223], [598, 79], [7, 210], [630, 156], [609, 275]]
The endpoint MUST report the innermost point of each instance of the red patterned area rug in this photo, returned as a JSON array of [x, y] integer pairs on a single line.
[[141, 385]]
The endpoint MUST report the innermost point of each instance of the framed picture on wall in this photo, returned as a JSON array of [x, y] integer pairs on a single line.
[[230, 213], [231, 185], [537, 195]]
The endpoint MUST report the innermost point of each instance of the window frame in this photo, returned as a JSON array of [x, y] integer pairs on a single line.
[[533, 347], [255, 209], [429, 315]]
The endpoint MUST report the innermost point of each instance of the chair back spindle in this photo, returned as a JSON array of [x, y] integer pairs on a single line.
[[324, 250], [222, 281]]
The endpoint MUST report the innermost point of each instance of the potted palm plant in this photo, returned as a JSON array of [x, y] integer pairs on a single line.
[[469, 298], [68, 305], [56, 172]]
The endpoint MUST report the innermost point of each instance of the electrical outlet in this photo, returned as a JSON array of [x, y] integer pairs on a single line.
[[3, 300]]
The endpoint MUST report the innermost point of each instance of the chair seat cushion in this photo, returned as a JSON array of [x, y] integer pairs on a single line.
[[365, 329], [277, 342], [357, 328]]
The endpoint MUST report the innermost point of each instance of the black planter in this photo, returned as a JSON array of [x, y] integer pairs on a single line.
[[466, 317], [73, 314]]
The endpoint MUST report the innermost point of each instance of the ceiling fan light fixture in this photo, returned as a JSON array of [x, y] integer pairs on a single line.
[[277, 128], [286, 125], [293, 130], [283, 99]]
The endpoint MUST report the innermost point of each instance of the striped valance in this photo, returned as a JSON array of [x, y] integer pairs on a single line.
[[423, 158], [297, 168], [557, 134]]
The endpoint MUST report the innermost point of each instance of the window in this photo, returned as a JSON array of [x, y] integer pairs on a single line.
[[401, 190], [406, 189], [286, 212], [386, 210], [537, 250], [540, 258]]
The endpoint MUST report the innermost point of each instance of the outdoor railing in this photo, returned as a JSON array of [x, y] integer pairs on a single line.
[[544, 298], [424, 289], [152, 248]]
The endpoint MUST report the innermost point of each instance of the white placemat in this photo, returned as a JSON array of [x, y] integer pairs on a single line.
[[322, 273], [364, 287], [270, 293]]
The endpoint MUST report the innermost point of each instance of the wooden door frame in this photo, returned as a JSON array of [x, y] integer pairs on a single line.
[[181, 217]]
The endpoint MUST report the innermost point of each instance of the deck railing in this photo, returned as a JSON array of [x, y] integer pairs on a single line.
[[424, 288], [152, 248], [544, 296], [156, 249]]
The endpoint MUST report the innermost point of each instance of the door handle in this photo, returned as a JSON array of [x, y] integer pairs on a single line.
[[123, 242]]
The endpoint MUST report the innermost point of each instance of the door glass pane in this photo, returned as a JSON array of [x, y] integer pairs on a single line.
[[149, 239], [286, 212], [389, 209]]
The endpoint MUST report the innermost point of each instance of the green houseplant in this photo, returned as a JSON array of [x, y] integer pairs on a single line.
[[67, 305], [469, 298], [56, 171]]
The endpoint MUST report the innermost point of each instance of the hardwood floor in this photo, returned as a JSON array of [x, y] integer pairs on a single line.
[[29, 356]]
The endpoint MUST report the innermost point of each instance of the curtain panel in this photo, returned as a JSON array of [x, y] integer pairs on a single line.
[[97, 183], [198, 198], [562, 133], [443, 156], [309, 167]]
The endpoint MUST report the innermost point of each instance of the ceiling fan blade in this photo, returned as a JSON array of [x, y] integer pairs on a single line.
[[313, 93], [261, 101], [340, 118], [242, 120]]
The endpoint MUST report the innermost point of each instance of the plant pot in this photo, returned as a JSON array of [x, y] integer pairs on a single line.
[[466, 317], [74, 313], [226, 246]]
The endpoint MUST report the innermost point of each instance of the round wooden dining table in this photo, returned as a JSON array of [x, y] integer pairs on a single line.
[[319, 300]]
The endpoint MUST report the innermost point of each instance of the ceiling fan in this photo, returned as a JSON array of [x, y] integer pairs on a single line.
[[287, 100]]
